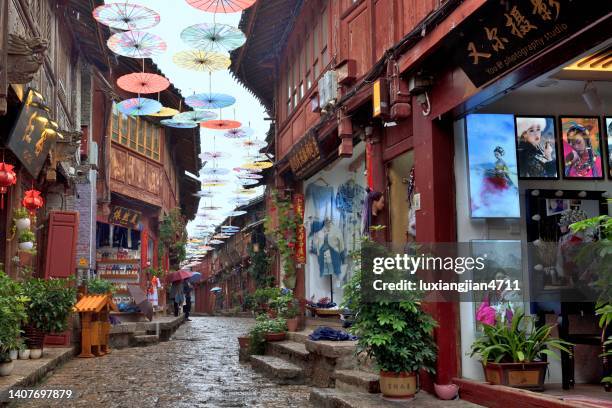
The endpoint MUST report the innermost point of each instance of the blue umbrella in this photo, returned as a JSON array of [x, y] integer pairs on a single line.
[[179, 125], [195, 116], [210, 101], [196, 277], [139, 106], [216, 289]]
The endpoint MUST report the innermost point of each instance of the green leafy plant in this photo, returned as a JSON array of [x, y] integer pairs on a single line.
[[517, 341], [398, 335], [284, 233], [27, 236], [100, 287], [264, 325], [12, 314], [50, 303], [260, 268], [263, 296], [173, 237], [20, 213]]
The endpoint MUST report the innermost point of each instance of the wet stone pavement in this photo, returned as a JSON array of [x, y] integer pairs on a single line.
[[198, 367]]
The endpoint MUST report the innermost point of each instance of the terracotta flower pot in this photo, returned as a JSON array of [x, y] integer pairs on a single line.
[[6, 368], [275, 336], [398, 385], [244, 342], [34, 337], [529, 376], [293, 323]]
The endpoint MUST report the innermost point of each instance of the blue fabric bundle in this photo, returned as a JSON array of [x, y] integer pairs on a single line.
[[327, 333]]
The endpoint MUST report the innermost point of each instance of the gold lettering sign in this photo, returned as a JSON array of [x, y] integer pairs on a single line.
[[124, 217], [304, 155]]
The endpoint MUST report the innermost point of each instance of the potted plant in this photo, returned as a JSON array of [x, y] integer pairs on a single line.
[[100, 287], [26, 240], [49, 307], [21, 218], [512, 348], [275, 329], [244, 342], [266, 329], [12, 314], [263, 297], [396, 334]]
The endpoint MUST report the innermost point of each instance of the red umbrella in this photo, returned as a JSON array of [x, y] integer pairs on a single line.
[[179, 275], [143, 83], [221, 124]]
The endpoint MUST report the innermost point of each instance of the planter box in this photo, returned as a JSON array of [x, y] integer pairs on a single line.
[[244, 342], [528, 376], [58, 339], [275, 336]]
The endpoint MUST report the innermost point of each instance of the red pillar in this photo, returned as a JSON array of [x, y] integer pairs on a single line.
[[435, 222]]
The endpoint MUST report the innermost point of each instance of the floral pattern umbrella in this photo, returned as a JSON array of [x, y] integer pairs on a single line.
[[195, 116], [143, 83], [216, 242], [210, 101], [198, 60], [256, 157], [243, 170], [258, 165], [221, 6], [215, 171], [179, 125], [259, 144], [239, 133], [221, 124], [251, 176], [247, 182], [204, 194], [136, 44], [213, 37], [125, 16], [214, 182], [214, 155], [139, 106], [165, 112]]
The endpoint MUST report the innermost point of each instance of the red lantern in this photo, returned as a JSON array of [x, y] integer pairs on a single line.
[[32, 201], [7, 178]]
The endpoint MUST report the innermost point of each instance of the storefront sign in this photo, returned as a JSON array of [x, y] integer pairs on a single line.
[[300, 236], [124, 217], [305, 155], [502, 35]]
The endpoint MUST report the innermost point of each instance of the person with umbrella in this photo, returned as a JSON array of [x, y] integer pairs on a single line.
[[176, 294], [187, 288]]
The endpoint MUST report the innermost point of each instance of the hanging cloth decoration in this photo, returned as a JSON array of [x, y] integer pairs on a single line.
[[179, 125], [139, 106], [124, 16], [221, 124], [197, 116], [166, 112], [136, 44], [210, 101], [7, 178], [221, 6], [213, 37], [198, 60], [32, 201], [143, 83]]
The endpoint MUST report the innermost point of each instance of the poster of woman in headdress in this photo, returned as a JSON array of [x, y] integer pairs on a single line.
[[582, 158]]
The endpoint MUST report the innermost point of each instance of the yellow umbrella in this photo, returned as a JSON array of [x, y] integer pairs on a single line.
[[198, 60], [165, 112]]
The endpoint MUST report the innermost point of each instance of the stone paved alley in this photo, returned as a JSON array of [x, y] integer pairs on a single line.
[[198, 368]]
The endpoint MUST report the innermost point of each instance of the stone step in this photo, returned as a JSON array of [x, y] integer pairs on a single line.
[[356, 381], [334, 398], [299, 337], [146, 340], [292, 350], [331, 349], [278, 370]]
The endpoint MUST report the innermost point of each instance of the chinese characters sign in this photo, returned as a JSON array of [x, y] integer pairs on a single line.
[[305, 155], [300, 236], [33, 134], [503, 35], [124, 217]]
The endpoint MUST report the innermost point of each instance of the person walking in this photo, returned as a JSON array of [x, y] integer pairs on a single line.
[[187, 288], [176, 294]]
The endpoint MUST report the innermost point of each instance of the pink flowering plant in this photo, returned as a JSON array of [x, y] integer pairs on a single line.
[[511, 337]]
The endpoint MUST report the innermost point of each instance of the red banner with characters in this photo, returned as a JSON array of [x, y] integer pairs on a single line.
[[300, 235]]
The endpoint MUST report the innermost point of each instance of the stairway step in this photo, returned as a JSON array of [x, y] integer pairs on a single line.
[[357, 381], [299, 337], [280, 371], [333, 398], [292, 349], [332, 349], [146, 340]]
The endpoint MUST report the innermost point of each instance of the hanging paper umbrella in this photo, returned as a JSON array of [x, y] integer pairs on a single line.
[[221, 124], [239, 133], [143, 83], [245, 170], [139, 106], [195, 116], [214, 155], [236, 213], [205, 248], [136, 44], [165, 112], [210, 208], [247, 182], [213, 37], [250, 176], [260, 144], [198, 60], [124, 16], [210, 101], [258, 165], [230, 227], [221, 6], [221, 236], [256, 158], [215, 171], [240, 201], [216, 242], [214, 182], [179, 125], [204, 194], [245, 191]]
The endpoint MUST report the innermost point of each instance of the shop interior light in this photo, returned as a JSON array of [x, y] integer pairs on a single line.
[[535, 193], [536, 217], [582, 194]]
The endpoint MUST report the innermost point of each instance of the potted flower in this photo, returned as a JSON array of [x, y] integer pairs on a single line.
[[275, 329], [291, 312], [21, 218], [49, 307], [513, 349], [12, 314], [26, 240]]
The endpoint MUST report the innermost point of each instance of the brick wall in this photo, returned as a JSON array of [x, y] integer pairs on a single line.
[[85, 204]]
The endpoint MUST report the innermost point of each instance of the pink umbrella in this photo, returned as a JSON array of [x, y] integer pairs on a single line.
[[179, 275]]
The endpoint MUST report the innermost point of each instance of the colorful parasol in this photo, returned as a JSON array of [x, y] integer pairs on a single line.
[[204, 194], [221, 124], [242, 170], [256, 157], [214, 155], [165, 112], [124, 16], [210, 101], [245, 191], [214, 182], [205, 248], [216, 242], [136, 44], [195, 116], [236, 213], [221, 6], [247, 182], [215, 171], [213, 37], [179, 125], [250, 176], [198, 60], [240, 200], [143, 83], [260, 144], [231, 227], [239, 133], [210, 208], [139, 106], [258, 165], [221, 236]]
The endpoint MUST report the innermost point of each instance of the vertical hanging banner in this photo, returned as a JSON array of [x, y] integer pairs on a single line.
[[300, 235]]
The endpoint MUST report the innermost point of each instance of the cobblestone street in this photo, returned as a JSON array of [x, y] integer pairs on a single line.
[[198, 368]]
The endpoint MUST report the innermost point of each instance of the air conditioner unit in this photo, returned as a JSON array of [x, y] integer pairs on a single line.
[[93, 155], [328, 88]]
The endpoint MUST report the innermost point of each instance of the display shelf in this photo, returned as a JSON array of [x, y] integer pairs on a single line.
[[119, 276], [119, 261]]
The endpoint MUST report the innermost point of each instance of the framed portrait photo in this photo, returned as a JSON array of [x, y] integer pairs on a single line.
[[536, 148], [608, 126], [582, 151]]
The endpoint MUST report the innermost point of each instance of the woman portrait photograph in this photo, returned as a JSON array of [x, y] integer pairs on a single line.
[[582, 155], [536, 147]]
